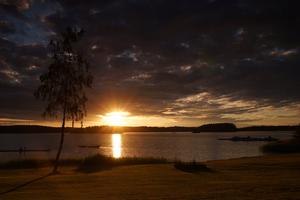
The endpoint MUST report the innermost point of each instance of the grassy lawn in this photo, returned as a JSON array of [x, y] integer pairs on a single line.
[[268, 177]]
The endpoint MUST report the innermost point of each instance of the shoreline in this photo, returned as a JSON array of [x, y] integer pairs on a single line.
[[170, 161], [21, 129], [141, 132]]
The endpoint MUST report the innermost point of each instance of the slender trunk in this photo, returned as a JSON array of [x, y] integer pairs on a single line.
[[62, 135]]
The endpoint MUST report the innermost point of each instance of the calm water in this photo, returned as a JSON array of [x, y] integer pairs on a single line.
[[183, 146]]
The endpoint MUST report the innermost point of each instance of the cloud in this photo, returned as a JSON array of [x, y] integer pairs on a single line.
[[198, 60], [20, 5], [6, 27], [283, 53]]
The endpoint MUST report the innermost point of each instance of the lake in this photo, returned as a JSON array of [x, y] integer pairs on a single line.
[[180, 145]]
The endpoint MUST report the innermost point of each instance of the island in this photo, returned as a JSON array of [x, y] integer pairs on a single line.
[[222, 127]]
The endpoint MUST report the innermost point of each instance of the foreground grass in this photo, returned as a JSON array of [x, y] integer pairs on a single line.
[[92, 163], [268, 177]]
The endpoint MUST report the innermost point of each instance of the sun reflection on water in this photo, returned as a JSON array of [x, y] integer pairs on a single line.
[[116, 140]]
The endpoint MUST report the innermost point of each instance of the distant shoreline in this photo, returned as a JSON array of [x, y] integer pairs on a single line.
[[22, 129]]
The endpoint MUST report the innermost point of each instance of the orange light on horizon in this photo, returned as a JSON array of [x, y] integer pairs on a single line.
[[116, 118]]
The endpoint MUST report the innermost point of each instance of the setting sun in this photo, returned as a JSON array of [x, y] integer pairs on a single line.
[[115, 118]]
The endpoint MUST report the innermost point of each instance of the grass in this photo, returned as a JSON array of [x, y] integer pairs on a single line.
[[100, 162], [22, 164], [93, 163], [191, 167], [284, 146], [268, 177], [289, 146], [35, 163], [96, 163]]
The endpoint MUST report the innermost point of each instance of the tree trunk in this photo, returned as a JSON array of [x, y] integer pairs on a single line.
[[62, 135]]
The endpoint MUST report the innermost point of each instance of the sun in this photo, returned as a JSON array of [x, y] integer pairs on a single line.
[[116, 118]]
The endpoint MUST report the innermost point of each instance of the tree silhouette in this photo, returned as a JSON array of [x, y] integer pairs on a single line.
[[63, 85]]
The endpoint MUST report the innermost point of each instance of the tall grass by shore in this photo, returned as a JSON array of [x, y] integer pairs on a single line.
[[36, 163], [284, 146], [288, 146], [191, 167], [100, 162], [88, 164]]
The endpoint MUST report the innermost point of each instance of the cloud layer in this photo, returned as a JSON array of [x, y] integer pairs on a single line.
[[188, 62]]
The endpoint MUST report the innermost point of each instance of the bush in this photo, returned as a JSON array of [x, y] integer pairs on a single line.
[[191, 167], [289, 146], [21, 164], [297, 133], [100, 162], [139, 161], [96, 163]]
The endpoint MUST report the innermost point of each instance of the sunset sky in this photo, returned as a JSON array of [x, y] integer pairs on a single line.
[[160, 62]]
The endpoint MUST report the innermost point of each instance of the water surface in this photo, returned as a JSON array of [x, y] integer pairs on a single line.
[[180, 145]]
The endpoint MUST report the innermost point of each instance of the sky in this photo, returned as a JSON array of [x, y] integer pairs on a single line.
[[161, 62]]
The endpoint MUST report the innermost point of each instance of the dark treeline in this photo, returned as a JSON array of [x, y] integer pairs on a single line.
[[227, 127], [93, 129], [269, 128], [109, 129], [29, 129], [230, 127]]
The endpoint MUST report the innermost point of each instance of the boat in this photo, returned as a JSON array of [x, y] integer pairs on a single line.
[[250, 139]]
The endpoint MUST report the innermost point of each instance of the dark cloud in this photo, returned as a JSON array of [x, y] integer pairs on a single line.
[[147, 55], [18, 5], [6, 27]]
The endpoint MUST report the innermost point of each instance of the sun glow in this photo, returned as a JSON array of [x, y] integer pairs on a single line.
[[116, 140], [115, 118]]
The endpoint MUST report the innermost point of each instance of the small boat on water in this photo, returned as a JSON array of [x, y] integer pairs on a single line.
[[89, 146], [250, 139]]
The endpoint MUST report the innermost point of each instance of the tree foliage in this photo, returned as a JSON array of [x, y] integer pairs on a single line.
[[62, 87]]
